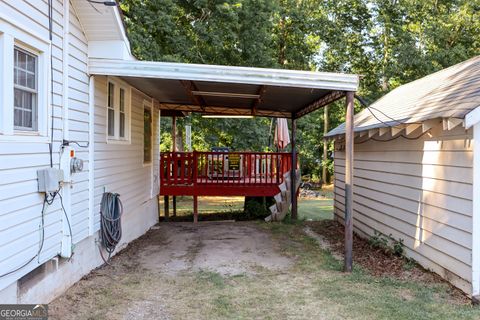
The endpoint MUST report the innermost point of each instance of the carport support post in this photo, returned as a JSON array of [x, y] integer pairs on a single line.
[[166, 203], [349, 182], [174, 149], [293, 171], [195, 209]]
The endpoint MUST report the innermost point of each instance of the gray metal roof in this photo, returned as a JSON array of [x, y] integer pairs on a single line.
[[229, 90], [449, 93]]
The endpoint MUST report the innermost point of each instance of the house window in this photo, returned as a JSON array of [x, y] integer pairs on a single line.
[[118, 112], [147, 135], [24, 84], [25, 90], [122, 113], [111, 110]]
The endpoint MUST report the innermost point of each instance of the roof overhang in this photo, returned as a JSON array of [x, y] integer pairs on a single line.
[[229, 90]]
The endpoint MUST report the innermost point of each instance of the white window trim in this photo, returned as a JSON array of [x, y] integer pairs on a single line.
[[148, 105], [116, 139], [11, 35]]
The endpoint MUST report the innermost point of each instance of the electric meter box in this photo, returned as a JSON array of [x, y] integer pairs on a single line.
[[49, 179]]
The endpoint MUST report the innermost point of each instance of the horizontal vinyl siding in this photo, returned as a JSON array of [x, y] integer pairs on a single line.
[[20, 203], [419, 191], [78, 125], [118, 166]]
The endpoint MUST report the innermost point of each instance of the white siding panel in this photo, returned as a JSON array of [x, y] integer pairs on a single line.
[[20, 211], [78, 123], [113, 159], [419, 191]]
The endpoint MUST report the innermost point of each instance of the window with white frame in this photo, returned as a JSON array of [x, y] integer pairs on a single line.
[[24, 84], [25, 90], [118, 111]]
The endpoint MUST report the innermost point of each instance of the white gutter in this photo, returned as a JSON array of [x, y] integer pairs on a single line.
[[228, 74]]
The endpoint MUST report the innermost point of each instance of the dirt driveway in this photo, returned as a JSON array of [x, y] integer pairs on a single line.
[[248, 270], [168, 251]]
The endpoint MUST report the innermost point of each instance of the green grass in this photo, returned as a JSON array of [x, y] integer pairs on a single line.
[[315, 209], [312, 287], [229, 207]]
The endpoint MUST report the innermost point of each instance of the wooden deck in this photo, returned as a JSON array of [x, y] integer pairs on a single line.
[[222, 173]]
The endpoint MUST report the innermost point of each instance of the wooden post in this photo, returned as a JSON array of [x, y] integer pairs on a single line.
[[195, 209], [349, 182], [325, 145], [174, 134], [293, 173], [174, 202], [166, 203]]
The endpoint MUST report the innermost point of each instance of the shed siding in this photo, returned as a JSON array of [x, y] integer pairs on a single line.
[[419, 191], [20, 203], [119, 166]]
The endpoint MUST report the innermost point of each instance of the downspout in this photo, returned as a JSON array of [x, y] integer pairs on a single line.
[[91, 152], [66, 249]]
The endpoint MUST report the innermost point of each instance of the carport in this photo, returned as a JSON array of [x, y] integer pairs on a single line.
[[242, 91]]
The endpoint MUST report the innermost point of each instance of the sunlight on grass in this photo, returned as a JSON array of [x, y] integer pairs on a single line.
[[308, 209]]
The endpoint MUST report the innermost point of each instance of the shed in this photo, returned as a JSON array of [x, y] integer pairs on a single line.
[[417, 169]]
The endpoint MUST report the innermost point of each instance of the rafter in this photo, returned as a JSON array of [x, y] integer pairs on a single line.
[[260, 92], [223, 110], [323, 101], [190, 87]]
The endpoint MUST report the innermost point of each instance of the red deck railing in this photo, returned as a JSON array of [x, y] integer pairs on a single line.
[[222, 173]]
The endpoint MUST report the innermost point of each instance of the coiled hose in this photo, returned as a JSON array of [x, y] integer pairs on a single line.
[[111, 210]]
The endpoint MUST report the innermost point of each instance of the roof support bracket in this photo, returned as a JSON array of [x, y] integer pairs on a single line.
[[412, 127], [451, 123], [397, 129], [190, 87], [429, 124], [260, 92], [323, 101], [383, 130]]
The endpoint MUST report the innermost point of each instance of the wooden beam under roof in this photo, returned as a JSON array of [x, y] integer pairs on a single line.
[[323, 101], [260, 92], [223, 110], [190, 87]]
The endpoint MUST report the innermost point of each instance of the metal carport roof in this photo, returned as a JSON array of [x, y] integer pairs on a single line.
[[229, 90]]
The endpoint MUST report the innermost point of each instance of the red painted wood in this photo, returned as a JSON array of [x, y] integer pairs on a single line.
[[207, 173]]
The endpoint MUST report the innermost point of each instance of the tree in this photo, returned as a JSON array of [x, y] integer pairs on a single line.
[[386, 42]]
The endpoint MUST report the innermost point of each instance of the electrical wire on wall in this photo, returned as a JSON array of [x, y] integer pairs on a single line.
[[48, 200], [50, 35], [370, 108], [49, 197]]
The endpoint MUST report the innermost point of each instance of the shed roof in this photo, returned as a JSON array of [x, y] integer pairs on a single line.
[[450, 93], [229, 90]]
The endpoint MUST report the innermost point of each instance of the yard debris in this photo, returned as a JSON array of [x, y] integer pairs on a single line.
[[377, 261]]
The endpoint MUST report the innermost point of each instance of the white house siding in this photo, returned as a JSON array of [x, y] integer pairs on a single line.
[[78, 125], [419, 191], [20, 203], [119, 166]]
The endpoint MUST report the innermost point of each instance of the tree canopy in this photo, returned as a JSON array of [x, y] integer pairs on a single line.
[[387, 42]]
